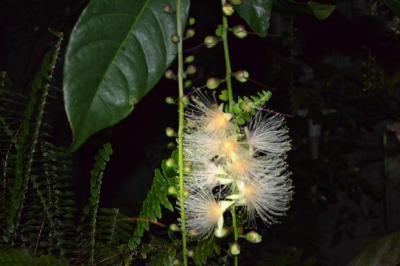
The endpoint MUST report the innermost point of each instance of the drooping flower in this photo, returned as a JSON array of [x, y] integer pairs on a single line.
[[208, 116], [208, 174], [200, 145], [204, 214], [267, 197], [268, 134]]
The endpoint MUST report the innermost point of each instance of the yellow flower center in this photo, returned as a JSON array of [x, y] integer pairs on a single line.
[[229, 147], [219, 122], [214, 212]]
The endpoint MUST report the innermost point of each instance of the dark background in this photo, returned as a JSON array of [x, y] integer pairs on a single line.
[[343, 72]]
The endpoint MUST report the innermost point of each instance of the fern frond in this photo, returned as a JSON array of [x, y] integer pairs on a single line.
[[203, 251], [88, 230], [246, 107], [157, 196], [22, 257], [28, 138]]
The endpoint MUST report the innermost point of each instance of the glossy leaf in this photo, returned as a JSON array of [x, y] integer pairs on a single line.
[[319, 10], [394, 5], [117, 52], [257, 13], [385, 251]]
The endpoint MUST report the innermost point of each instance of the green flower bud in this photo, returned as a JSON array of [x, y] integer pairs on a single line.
[[168, 9], [213, 83], [191, 69], [187, 169], [239, 31], [169, 74], [228, 9], [170, 163], [234, 249], [191, 21], [174, 228], [169, 100], [188, 83], [220, 232], [253, 237], [176, 262], [236, 2], [175, 38], [218, 30], [170, 132], [172, 191], [210, 41], [190, 253], [171, 145], [185, 100], [189, 59], [241, 75], [190, 33]]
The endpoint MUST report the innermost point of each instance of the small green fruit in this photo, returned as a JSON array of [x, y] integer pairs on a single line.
[[210, 41], [228, 9], [213, 83]]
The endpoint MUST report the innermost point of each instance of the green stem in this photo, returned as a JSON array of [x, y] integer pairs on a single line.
[[180, 131], [228, 78]]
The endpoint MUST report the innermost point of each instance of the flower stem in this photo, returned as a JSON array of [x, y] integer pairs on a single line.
[[228, 78], [180, 131]]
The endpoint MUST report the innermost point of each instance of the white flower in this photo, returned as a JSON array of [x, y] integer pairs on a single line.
[[267, 197], [200, 145], [207, 174], [268, 134], [208, 116], [204, 214]]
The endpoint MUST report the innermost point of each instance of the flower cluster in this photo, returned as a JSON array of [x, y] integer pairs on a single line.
[[233, 165]]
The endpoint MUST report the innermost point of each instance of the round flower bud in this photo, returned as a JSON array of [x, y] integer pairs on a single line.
[[174, 228], [185, 100], [169, 100], [234, 249], [169, 74], [239, 31], [210, 41], [220, 232], [188, 83], [189, 59], [171, 145], [170, 163], [170, 132], [236, 2], [176, 262], [241, 75], [228, 9], [191, 21], [213, 83], [253, 237], [187, 169], [190, 253], [190, 33], [172, 191], [175, 38], [167, 9], [191, 69]]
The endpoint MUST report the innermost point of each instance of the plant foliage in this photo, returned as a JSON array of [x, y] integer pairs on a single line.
[[134, 40]]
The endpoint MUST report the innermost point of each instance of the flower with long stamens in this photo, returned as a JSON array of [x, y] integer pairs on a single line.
[[200, 145], [267, 197], [204, 214], [208, 174], [209, 117], [268, 134]]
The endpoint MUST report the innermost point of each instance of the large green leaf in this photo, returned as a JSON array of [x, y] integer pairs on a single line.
[[319, 10], [385, 251], [394, 5], [257, 14], [117, 52]]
